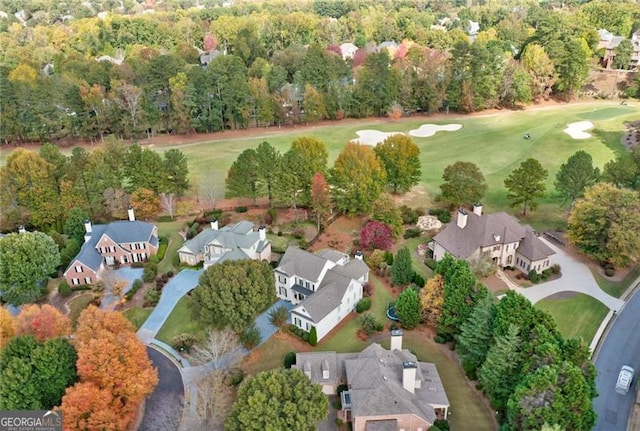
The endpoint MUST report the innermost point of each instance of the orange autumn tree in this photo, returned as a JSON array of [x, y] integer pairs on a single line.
[[86, 407], [112, 359], [43, 322], [6, 327]]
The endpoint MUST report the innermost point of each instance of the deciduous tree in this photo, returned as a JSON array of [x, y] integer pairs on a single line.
[[28, 259], [278, 399], [386, 211], [357, 178], [605, 224], [376, 235], [401, 159], [432, 299], [86, 406], [526, 184], [463, 184], [575, 175], [6, 327], [232, 293], [74, 224], [145, 203], [320, 199], [220, 348], [43, 322]]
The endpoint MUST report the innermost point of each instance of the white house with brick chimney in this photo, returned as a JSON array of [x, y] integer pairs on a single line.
[[324, 287], [234, 242], [500, 236], [387, 389]]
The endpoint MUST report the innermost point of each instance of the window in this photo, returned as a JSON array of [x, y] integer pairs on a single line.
[[496, 248], [78, 268], [75, 281], [283, 292], [87, 280], [307, 326], [297, 322], [113, 248]]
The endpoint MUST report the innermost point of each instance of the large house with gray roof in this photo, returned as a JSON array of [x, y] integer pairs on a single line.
[[118, 242], [388, 390], [235, 242], [500, 236], [323, 287]]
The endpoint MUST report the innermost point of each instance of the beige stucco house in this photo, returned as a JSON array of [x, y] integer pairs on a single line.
[[499, 235], [388, 390]]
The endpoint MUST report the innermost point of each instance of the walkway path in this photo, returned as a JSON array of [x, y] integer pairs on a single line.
[[181, 284], [576, 277]]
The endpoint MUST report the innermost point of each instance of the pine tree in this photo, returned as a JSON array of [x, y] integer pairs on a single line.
[[401, 270], [476, 336]]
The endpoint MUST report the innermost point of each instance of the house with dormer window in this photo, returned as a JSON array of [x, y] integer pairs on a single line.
[[324, 287], [118, 242]]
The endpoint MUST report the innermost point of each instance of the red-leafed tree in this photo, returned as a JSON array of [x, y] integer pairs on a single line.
[[320, 198], [359, 57], [87, 407], [209, 42], [334, 49], [376, 235], [112, 359], [43, 322]]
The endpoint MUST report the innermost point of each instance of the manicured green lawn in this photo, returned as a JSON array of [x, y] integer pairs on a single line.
[[77, 304], [467, 410], [279, 244], [418, 263], [494, 142], [170, 231], [577, 316], [271, 355], [180, 321], [616, 288], [137, 315]]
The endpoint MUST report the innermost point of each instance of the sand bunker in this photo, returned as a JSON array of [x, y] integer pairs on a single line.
[[372, 137], [577, 130], [427, 130]]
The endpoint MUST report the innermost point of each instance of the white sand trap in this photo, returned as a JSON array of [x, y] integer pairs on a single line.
[[427, 130], [577, 130], [372, 137]]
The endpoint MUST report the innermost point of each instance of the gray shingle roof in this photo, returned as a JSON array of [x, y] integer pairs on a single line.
[[481, 231], [239, 235], [332, 255], [301, 263], [532, 248], [382, 425], [355, 269], [328, 295]]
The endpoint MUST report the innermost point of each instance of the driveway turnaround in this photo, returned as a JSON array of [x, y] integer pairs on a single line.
[[621, 346], [181, 284], [163, 410], [576, 277]]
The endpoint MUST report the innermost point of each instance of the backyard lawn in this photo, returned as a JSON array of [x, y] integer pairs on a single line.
[[579, 315], [137, 315], [180, 321], [170, 230], [616, 288]]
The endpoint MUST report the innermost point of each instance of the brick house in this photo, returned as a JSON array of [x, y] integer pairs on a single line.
[[118, 242]]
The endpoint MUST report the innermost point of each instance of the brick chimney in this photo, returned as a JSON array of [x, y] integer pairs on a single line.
[[462, 218]]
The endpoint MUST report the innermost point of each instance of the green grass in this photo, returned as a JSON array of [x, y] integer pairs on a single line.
[[279, 244], [271, 355], [577, 316], [170, 230], [137, 315], [467, 410], [616, 288], [418, 264], [180, 321], [77, 304]]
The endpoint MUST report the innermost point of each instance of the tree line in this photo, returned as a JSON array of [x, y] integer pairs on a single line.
[[41, 189], [283, 65]]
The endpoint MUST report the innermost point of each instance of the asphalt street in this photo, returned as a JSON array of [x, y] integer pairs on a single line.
[[164, 406], [621, 346]]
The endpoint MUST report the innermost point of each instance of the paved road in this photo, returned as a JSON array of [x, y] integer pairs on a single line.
[[576, 277], [164, 406], [176, 288], [620, 346]]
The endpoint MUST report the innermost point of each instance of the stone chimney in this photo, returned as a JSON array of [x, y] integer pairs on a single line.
[[409, 376], [132, 216], [477, 208], [262, 231], [462, 218], [21, 229], [358, 255], [214, 224], [396, 339]]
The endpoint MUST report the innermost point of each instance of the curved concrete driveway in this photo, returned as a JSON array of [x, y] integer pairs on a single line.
[[576, 277], [183, 282], [621, 346]]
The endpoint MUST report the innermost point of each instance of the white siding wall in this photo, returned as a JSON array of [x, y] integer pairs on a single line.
[[438, 252]]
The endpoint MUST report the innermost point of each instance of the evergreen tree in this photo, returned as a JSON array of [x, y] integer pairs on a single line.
[[575, 175], [476, 336], [526, 184], [408, 308], [402, 270]]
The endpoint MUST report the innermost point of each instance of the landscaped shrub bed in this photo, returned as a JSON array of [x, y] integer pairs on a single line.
[[137, 284], [162, 248], [363, 305]]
